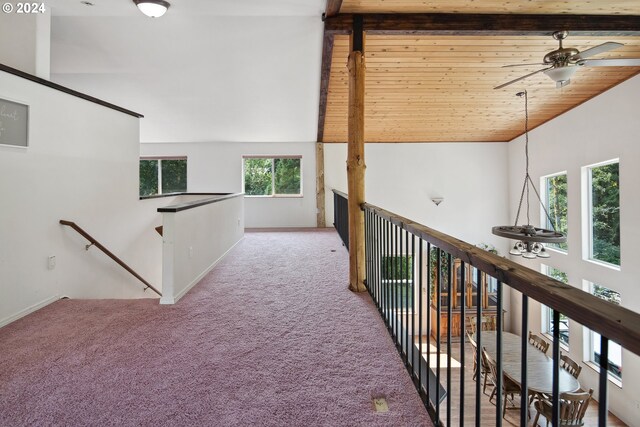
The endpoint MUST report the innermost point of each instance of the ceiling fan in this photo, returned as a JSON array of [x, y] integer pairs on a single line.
[[563, 62]]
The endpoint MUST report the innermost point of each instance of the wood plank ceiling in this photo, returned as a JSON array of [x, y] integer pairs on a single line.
[[439, 87]]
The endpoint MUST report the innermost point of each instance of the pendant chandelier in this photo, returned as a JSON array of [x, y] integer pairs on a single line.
[[530, 239]]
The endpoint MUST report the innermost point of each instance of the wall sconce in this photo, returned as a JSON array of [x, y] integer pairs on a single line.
[[437, 200]]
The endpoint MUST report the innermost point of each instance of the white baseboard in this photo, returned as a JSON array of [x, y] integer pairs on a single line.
[[28, 310], [169, 300]]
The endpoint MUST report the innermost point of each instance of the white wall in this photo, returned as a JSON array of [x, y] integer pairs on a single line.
[[199, 77], [217, 167], [603, 128], [195, 240], [25, 41], [403, 178], [81, 165]]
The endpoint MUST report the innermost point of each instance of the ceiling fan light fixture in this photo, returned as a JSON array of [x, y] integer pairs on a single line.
[[561, 75], [152, 8]]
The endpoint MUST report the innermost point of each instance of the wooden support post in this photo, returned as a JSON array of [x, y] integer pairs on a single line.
[[320, 215], [356, 165]]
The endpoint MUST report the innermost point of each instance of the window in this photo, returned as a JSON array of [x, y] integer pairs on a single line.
[[547, 313], [398, 270], [272, 176], [604, 212], [555, 201], [615, 350], [163, 175]]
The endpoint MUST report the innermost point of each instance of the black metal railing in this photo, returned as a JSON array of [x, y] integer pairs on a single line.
[[341, 216], [412, 275]]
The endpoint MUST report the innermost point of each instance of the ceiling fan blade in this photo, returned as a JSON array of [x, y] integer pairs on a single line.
[[614, 62], [522, 78], [601, 48], [522, 65]]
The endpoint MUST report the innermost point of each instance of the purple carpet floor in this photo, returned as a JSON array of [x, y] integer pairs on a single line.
[[271, 337]]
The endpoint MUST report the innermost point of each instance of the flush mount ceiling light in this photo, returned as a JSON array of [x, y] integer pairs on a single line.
[[530, 239], [152, 8]]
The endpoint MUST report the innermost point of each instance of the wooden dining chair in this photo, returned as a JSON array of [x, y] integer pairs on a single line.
[[470, 325], [573, 406], [538, 342], [509, 387], [570, 366], [488, 324], [485, 369]]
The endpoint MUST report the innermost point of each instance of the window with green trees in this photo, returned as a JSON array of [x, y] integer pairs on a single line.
[[555, 188], [604, 212], [272, 176], [615, 350], [547, 317], [163, 175]]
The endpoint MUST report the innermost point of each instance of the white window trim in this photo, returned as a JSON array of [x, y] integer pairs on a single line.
[[273, 176], [545, 315], [588, 352], [587, 204], [160, 159], [544, 195]]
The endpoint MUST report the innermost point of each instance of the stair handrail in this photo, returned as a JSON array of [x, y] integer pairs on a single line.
[[94, 242]]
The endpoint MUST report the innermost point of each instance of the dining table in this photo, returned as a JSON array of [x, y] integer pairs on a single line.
[[539, 365]]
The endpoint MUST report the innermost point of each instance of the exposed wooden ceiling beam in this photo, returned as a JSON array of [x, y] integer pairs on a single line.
[[333, 8], [488, 24], [325, 73]]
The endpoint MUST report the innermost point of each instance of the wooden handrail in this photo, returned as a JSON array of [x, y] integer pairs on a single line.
[[610, 320], [340, 193], [97, 244]]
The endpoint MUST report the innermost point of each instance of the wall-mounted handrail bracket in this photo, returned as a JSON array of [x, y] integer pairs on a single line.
[[94, 242]]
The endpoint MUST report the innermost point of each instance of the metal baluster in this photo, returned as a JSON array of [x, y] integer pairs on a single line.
[[376, 262], [383, 268], [429, 284], [396, 289], [406, 299], [604, 374], [420, 316], [388, 272], [438, 325], [479, 343], [367, 251], [395, 284], [378, 258], [449, 303], [524, 348], [555, 415], [413, 306], [463, 337], [369, 278], [499, 353]]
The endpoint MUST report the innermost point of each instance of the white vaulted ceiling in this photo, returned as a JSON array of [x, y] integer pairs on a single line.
[[206, 71]]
